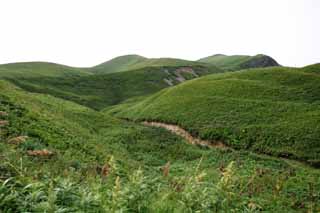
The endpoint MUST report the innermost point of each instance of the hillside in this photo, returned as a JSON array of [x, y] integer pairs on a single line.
[[133, 62], [100, 91], [238, 62], [118, 64], [273, 110], [57, 156], [39, 69]]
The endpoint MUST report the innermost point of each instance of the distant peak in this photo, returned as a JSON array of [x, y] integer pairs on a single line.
[[131, 56], [215, 55]]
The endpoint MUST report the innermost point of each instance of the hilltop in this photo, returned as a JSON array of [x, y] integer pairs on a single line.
[[238, 62], [118, 64], [133, 62], [39, 69]]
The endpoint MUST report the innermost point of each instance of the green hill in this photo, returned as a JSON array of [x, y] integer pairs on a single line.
[[118, 64], [238, 62], [59, 154], [39, 69], [133, 62], [100, 91], [273, 110], [315, 68]]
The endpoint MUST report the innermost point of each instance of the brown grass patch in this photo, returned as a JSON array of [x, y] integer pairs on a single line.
[[2, 113], [18, 140], [3, 123], [40, 153]]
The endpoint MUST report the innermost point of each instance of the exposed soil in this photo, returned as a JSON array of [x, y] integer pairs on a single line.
[[186, 135]]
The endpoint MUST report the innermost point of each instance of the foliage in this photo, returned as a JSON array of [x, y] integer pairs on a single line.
[[104, 164], [273, 110]]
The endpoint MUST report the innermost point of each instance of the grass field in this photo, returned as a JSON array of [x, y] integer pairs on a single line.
[[84, 143], [100, 91], [58, 153], [273, 111]]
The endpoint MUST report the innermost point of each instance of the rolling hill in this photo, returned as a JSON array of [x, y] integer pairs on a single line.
[[39, 69], [118, 64], [273, 110], [60, 153], [238, 62], [133, 62], [100, 91]]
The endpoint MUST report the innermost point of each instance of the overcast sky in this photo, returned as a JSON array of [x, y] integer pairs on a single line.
[[86, 33]]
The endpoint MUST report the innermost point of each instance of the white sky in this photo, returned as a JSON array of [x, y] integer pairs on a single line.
[[86, 33]]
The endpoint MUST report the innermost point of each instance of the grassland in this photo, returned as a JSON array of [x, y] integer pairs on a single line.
[[138, 178], [39, 69], [100, 91], [273, 111], [134, 62], [58, 153], [238, 62]]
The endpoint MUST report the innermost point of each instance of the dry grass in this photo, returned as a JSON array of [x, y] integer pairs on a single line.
[[2, 113], [40, 153], [3, 123], [18, 140], [166, 169]]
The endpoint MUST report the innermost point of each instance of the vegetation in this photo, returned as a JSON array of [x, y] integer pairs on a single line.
[[59, 154], [118, 64], [100, 91], [238, 62], [274, 111], [39, 69], [133, 62]]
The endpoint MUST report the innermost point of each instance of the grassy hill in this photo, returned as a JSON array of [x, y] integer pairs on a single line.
[[79, 160], [118, 64], [59, 154], [100, 91], [273, 110], [39, 69], [133, 62], [238, 62]]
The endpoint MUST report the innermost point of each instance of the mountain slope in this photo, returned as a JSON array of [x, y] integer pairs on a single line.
[[237, 62], [272, 110], [39, 69], [133, 62], [118, 64], [100, 91]]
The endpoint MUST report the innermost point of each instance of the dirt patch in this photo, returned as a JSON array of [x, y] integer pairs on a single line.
[[187, 70], [186, 135], [40, 153]]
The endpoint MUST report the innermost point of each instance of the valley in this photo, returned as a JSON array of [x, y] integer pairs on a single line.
[[134, 134]]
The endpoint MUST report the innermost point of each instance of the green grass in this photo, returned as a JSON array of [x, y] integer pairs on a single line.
[[100, 91], [238, 62], [274, 111], [118, 64], [261, 110], [39, 69], [84, 140], [133, 62]]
